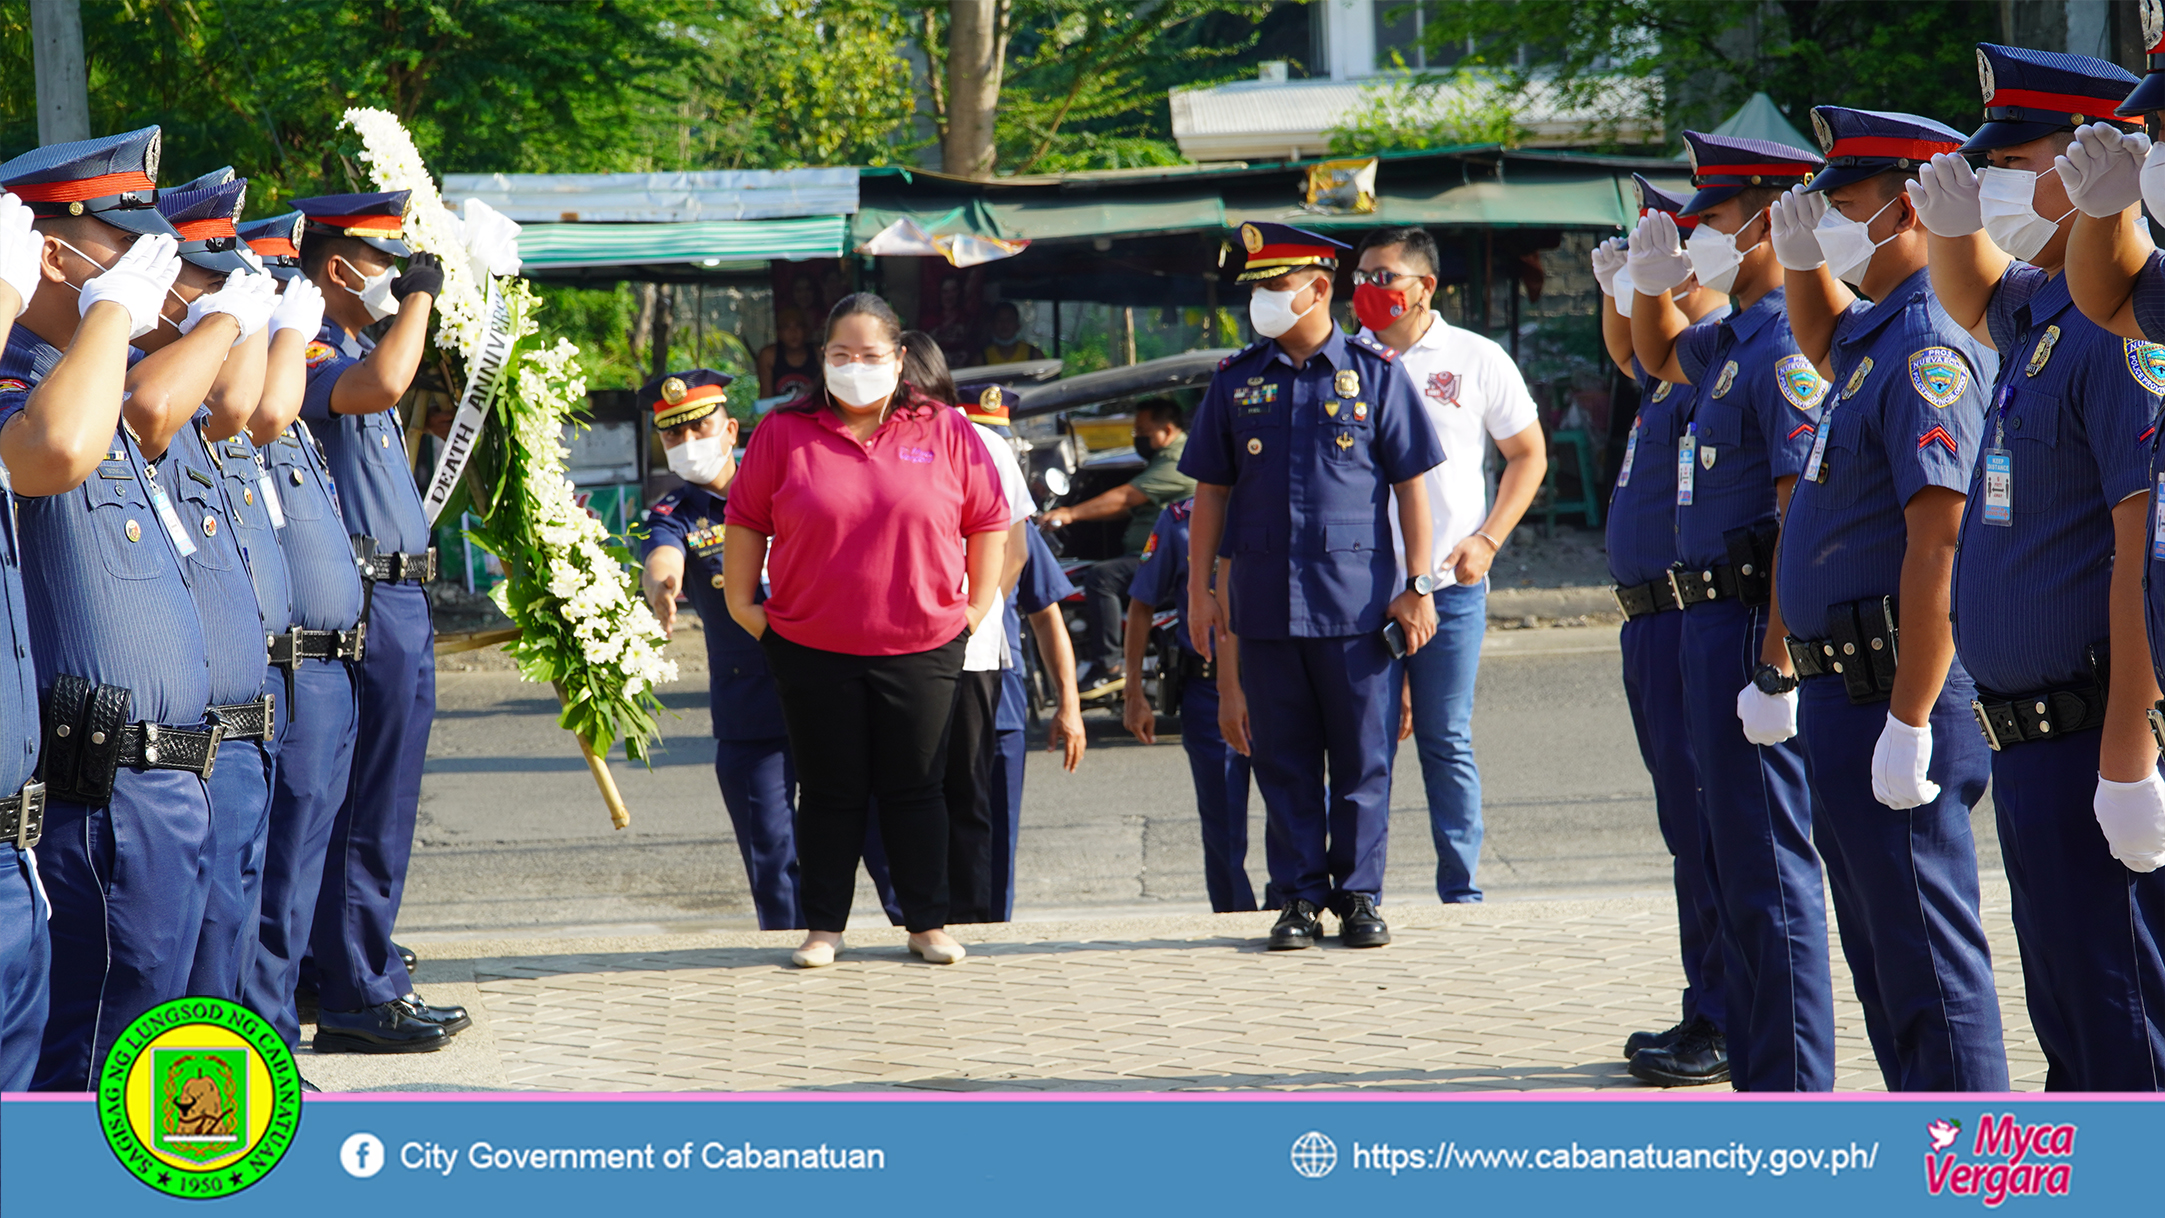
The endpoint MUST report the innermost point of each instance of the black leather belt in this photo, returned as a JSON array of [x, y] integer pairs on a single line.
[[1643, 600], [1193, 667], [257, 720], [403, 568], [153, 746], [1708, 584], [297, 644], [22, 816], [2040, 716]]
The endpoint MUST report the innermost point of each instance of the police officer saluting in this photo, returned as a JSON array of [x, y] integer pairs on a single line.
[[1867, 553], [1642, 548], [1300, 442], [1743, 444], [683, 552]]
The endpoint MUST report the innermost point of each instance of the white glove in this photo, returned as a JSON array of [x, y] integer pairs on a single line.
[[247, 296], [491, 239], [1792, 219], [1899, 762], [300, 308], [1608, 260], [1945, 196], [137, 281], [1657, 259], [2132, 814], [20, 249], [1768, 718], [2102, 170]]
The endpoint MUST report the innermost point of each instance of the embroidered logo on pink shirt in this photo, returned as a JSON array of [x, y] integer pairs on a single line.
[[1443, 386], [912, 453]]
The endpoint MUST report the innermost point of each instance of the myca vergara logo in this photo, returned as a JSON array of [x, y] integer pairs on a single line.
[[2005, 1159], [199, 1098]]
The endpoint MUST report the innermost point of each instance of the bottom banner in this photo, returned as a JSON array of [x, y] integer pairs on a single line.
[[900, 1154]]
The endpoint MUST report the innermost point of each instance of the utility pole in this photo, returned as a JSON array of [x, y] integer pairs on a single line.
[[56, 38]]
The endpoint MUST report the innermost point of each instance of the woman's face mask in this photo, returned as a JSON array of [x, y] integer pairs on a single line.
[[1272, 313], [375, 291], [2006, 200], [1714, 254], [1848, 244], [700, 459], [861, 385]]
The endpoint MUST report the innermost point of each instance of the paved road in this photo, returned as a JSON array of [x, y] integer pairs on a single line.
[[513, 839]]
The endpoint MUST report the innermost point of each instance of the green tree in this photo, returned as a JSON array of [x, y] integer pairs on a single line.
[[1428, 110]]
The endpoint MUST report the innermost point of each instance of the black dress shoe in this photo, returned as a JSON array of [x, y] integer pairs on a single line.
[[1653, 1040], [310, 1087], [1359, 925], [451, 1018], [1298, 927], [405, 956], [1699, 1056], [389, 1027]]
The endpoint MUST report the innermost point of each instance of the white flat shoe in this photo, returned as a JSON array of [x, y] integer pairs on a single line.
[[815, 955], [937, 953]]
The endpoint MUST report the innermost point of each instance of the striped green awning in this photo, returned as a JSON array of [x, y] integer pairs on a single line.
[[545, 247]]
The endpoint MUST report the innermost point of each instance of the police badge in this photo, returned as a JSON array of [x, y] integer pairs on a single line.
[[1727, 378], [1346, 383], [1661, 390], [2043, 353], [1856, 379]]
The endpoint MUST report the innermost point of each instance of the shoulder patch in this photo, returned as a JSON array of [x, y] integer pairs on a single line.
[[9, 384], [1939, 376], [1150, 547], [1799, 382], [2145, 362], [1183, 508], [317, 352]]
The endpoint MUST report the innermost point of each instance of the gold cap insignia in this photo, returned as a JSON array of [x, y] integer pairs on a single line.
[[989, 400], [674, 389], [1251, 237]]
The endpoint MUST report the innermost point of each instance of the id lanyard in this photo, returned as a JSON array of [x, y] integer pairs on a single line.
[[1814, 465], [1687, 452], [1631, 452], [162, 504], [268, 488], [1999, 468]]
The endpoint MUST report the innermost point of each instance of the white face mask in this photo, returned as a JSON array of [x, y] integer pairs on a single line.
[[2006, 200], [375, 291], [700, 459], [1271, 313], [863, 384], [2153, 180], [1626, 290], [1848, 244], [1715, 257]]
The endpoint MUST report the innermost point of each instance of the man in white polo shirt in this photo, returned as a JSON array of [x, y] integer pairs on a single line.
[[1472, 391]]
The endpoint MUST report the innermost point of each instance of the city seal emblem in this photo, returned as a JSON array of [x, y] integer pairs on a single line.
[[199, 1098]]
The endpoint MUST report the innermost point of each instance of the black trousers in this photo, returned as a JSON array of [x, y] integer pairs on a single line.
[[971, 746], [1105, 608], [860, 727]]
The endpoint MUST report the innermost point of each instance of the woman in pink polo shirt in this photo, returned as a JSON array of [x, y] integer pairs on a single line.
[[876, 501]]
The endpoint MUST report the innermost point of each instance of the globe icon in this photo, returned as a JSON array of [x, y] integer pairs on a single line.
[[1314, 1155]]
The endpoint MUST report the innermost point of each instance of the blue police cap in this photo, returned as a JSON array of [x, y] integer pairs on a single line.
[[1866, 143], [277, 241], [2150, 94], [114, 179], [1654, 198], [203, 216], [684, 397], [1722, 165], [992, 405], [376, 218], [216, 177], [2031, 94], [1274, 249]]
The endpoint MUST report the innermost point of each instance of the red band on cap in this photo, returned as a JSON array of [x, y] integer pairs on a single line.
[[275, 247], [206, 230], [81, 189], [692, 397], [2064, 103], [1271, 253], [1780, 169], [389, 225], [1889, 145]]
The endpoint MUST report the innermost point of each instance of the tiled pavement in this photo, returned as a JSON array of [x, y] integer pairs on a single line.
[[1527, 995]]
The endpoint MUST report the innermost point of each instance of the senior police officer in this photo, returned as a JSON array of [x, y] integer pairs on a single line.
[[683, 553], [1300, 441], [1743, 444], [1891, 749], [348, 245], [1641, 548]]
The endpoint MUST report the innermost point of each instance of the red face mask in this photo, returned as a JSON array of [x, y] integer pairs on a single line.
[[1378, 307]]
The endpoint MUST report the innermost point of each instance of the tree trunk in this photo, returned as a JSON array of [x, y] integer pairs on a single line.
[[63, 90], [665, 300], [642, 321], [976, 57]]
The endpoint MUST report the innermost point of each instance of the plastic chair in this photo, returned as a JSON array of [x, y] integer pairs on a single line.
[[1588, 504]]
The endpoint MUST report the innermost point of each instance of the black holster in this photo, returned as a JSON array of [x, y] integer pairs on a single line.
[[364, 557], [1866, 638], [1751, 555], [83, 728]]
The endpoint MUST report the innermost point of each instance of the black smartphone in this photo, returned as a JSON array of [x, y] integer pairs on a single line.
[[1394, 637]]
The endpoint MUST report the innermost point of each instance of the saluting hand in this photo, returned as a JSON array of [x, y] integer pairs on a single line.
[[20, 248], [1416, 615], [2102, 169], [1657, 258], [1945, 196], [1793, 220], [1609, 258]]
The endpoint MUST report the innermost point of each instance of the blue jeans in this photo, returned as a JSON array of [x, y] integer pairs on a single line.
[[1443, 674]]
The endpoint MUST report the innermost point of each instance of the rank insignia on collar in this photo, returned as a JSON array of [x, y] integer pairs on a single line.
[[2039, 357], [1939, 376], [1727, 378], [2146, 363], [1331, 409], [1706, 456], [1661, 390], [1347, 383], [1799, 382], [1360, 410], [1345, 439], [1856, 379]]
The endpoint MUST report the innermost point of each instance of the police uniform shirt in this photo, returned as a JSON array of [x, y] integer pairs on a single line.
[[1641, 539], [102, 579], [19, 720], [245, 487], [745, 703], [1162, 580], [1042, 583], [2148, 297], [320, 573], [218, 576], [2072, 408], [366, 452], [1311, 455], [1753, 421], [1907, 407]]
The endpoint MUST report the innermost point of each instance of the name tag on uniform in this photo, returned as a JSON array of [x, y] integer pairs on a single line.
[[1631, 451], [163, 505], [1687, 458], [267, 487], [1819, 453], [1999, 487], [2157, 521]]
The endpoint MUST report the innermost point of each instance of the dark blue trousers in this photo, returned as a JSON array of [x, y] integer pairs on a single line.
[[364, 868], [1778, 1008], [1905, 890], [240, 819], [2088, 927], [26, 959], [1011, 749], [1654, 687], [759, 786], [1221, 799], [315, 760], [128, 883], [1323, 709]]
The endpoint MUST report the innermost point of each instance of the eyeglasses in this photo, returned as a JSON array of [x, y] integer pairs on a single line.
[[842, 358], [1380, 278]]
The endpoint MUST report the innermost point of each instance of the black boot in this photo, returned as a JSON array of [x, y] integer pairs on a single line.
[[389, 1027], [1699, 1056], [1653, 1040], [1298, 927], [1359, 925]]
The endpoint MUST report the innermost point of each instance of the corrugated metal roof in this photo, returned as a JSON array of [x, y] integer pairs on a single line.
[[651, 198], [1251, 120], [545, 247]]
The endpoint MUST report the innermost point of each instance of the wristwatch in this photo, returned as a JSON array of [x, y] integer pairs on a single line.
[[1771, 682], [1421, 585]]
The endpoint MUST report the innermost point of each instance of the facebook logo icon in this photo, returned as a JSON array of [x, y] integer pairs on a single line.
[[361, 1155]]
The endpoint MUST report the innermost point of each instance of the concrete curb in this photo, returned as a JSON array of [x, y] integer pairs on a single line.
[[1517, 604]]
